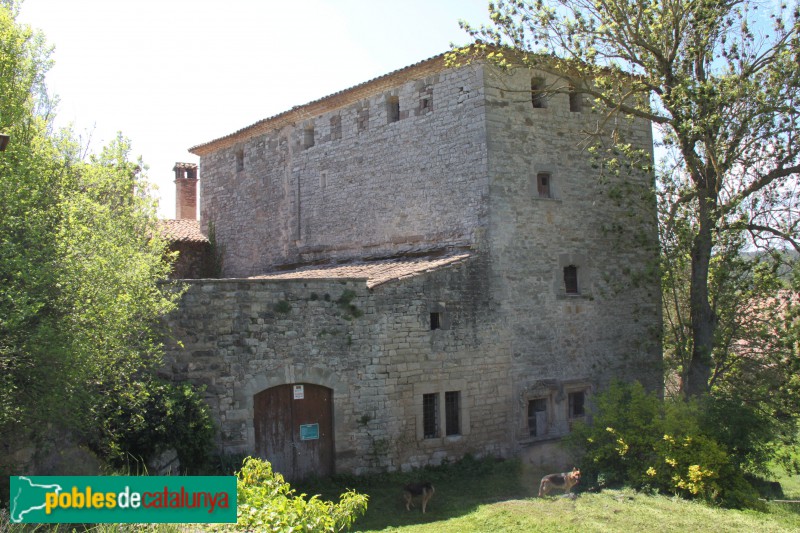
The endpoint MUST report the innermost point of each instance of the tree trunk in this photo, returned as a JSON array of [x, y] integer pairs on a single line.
[[704, 320]]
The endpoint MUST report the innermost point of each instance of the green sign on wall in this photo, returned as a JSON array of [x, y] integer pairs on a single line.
[[309, 431]]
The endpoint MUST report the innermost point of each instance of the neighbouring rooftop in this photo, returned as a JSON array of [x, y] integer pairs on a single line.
[[182, 230]]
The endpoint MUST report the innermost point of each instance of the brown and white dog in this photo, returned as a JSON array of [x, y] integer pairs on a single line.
[[423, 490], [564, 481]]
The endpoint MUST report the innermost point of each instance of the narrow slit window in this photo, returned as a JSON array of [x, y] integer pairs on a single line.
[[393, 108], [436, 321], [239, 160], [452, 401], [571, 279], [426, 104], [537, 417], [537, 93], [430, 415], [362, 120], [308, 137], [543, 182], [575, 100], [336, 127]]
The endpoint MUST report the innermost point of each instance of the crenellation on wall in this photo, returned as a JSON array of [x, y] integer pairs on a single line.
[[588, 331], [397, 176]]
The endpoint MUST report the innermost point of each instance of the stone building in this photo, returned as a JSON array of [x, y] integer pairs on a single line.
[[421, 266]]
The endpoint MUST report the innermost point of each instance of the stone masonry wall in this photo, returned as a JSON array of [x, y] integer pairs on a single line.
[[601, 224], [458, 168], [239, 339], [352, 182], [193, 260]]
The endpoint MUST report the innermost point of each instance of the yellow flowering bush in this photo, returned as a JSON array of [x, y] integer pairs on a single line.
[[644, 442]]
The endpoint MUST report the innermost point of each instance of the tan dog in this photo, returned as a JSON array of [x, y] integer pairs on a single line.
[[424, 490], [564, 481]]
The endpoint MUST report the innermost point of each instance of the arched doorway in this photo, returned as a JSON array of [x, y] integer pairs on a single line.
[[294, 429]]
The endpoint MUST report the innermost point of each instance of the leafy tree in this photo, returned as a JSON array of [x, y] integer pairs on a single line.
[[721, 83], [82, 271], [33, 354]]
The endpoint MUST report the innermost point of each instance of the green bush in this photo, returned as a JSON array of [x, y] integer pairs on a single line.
[[267, 503], [749, 433], [639, 440], [133, 421]]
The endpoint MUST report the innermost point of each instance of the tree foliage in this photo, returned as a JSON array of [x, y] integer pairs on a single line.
[[81, 266], [721, 83], [267, 503]]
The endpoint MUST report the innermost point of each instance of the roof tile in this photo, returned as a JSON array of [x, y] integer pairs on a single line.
[[374, 272], [182, 230]]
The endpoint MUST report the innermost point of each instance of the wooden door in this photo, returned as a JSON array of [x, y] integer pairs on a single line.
[[294, 429]]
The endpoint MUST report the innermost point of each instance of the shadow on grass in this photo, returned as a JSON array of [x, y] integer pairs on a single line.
[[460, 488]]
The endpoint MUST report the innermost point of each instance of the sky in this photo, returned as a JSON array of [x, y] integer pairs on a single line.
[[172, 74]]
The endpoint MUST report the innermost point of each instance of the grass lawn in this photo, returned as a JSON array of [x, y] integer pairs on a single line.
[[497, 496], [493, 496]]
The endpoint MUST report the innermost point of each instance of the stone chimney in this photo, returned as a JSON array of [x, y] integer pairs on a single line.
[[185, 191]]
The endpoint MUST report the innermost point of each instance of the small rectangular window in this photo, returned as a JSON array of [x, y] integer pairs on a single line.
[[393, 108], [239, 160], [571, 279], [430, 415], [577, 408], [543, 184], [452, 400], [308, 137], [537, 417], [425, 100], [575, 100], [336, 127], [362, 119], [537, 93], [436, 321]]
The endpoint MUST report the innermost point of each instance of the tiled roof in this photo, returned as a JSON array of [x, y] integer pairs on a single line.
[[374, 272], [182, 230], [301, 112]]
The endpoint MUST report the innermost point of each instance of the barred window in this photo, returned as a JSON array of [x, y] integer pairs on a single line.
[[430, 415], [452, 401]]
